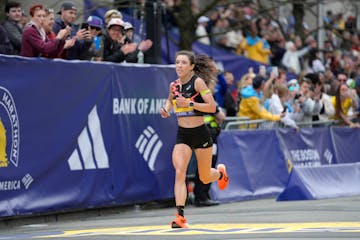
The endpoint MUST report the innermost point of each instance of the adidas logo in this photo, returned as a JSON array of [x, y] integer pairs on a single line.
[[149, 146], [90, 152]]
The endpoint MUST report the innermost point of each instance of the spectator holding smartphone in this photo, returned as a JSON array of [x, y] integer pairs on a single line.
[[95, 52], [277, 105], [68, 12]]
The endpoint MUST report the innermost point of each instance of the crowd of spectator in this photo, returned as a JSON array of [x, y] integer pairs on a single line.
[[327, 86], [328, 82], [48, 35]]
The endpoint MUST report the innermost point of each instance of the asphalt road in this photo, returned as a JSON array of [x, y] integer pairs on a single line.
[[257, 219]]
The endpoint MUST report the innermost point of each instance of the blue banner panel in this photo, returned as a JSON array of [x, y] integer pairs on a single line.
[[307, 147], [75, 135], [332, 181], [255, 164], [347, 144]]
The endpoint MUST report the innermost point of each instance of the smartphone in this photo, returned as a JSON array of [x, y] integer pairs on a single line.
[[276, 71], [284, 110], [84, 26]]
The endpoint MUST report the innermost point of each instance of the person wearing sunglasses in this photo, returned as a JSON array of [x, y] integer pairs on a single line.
[[95, 52]]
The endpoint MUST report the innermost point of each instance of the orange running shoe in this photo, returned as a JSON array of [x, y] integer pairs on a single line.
[[179, 222], [224, 181]]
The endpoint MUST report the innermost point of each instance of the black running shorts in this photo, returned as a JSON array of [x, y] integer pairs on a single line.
[[198, 137]]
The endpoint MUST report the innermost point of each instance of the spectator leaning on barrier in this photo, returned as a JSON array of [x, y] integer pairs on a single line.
[[326, 108], [68, 12], [251, 106], [11, 25], [35, 43], [142, 47], [48, 25], [277, 105], [114, 51], [309, 106], [343, 101], [96, 50]]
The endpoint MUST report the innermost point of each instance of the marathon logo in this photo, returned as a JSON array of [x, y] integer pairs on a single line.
[[9, 130], [139, 106]]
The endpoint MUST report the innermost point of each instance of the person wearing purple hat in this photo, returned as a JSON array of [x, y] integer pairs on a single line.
[[96, 49], [68, 13]]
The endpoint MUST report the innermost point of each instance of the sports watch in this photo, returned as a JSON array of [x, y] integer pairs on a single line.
[[191, 104]]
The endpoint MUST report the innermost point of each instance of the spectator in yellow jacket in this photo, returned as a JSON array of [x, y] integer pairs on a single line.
[[250, 104], [255, 47]]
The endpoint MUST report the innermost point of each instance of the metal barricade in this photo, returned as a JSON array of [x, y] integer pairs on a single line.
[[228, 120], [244, 124], [320, 123]]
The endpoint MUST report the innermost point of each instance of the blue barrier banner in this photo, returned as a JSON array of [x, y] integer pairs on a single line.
[[255, 165], [346, 144], [77, 135], [332, 181], [308, 147]]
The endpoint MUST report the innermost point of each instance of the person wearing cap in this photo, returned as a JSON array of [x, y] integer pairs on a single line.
[[68, 12], [11, 25], [201, 32], [129, 32], [35, 43], [95, 52], [250, 104], [114, 50], [143, 46]]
